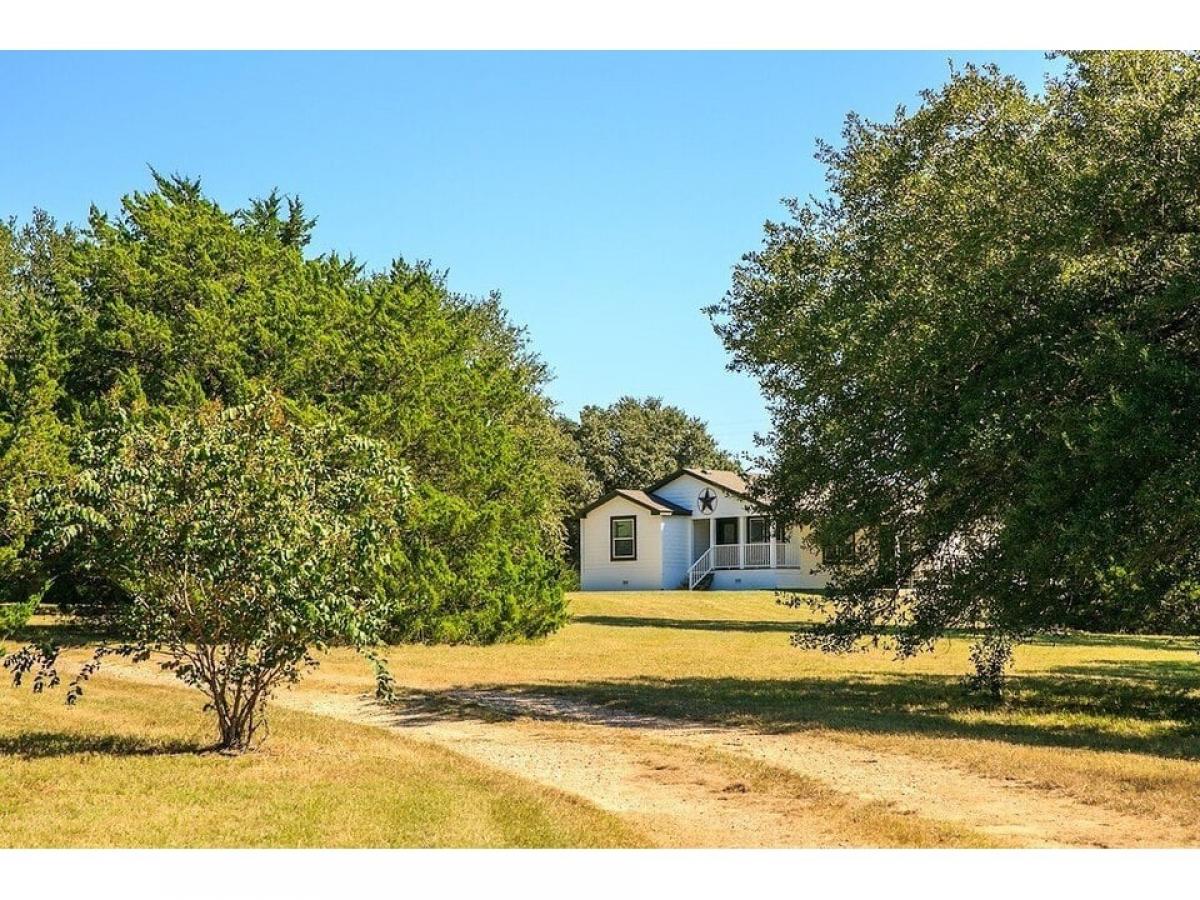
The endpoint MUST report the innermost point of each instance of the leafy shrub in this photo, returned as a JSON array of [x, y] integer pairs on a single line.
[[245, 540]]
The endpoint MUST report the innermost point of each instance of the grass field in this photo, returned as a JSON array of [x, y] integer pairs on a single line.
[[126, 768], [1106, 720], [1111, 719]]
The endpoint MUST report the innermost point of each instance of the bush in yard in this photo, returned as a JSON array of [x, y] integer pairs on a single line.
[[982, 353], [244, 538], [13, 616]]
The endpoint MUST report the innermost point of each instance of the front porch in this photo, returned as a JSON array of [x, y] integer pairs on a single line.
[[770, 555], [737, 542]]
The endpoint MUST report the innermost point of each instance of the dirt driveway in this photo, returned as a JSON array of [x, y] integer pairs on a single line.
[[680, 781], [698, 785]]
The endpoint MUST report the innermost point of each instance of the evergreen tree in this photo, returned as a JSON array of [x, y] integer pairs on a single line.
[[174, 303]]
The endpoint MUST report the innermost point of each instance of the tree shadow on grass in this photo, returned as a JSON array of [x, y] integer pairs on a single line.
[[1132, 641], [1061, 639], [1151, 708], [52, 744], [64, 632], [1161, 675], [690, 624]]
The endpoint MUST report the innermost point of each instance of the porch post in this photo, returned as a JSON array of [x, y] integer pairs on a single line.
[[771, 541]]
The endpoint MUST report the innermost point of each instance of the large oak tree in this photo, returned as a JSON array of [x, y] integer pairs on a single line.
[[982, 351]]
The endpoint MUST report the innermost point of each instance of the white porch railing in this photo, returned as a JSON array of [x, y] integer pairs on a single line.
[[774, 555], [727, 556], [700, 568], [755, 556], [787, 556]]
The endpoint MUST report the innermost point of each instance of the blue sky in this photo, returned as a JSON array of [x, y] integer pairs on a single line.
[[606, 196]]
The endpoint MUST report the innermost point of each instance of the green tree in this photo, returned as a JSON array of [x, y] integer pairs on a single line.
[[244, 538], [634, 442], [34, 442], [982, 352], [173, 302], [453, 387]]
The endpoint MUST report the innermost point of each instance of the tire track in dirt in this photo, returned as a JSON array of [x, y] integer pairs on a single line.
[[681, 806], [676, 805], [578, 748], [1007, 810]]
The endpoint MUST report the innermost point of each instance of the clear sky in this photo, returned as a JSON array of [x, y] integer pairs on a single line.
[[606, 196]]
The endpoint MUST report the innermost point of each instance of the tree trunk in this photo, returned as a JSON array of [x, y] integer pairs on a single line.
[[240, 714]]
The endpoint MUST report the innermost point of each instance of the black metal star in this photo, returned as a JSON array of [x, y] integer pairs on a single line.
[[708, 501]]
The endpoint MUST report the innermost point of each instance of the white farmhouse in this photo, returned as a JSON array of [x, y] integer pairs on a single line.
[[696, 528]]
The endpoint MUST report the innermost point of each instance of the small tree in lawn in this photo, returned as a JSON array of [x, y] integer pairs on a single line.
[[245, 540]]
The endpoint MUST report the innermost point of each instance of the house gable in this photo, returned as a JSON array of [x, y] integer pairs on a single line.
[[657, 506], [598, 569], [705, 496], [730, 482]]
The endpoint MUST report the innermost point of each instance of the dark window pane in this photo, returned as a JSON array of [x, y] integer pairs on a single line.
[[727, 531], [838, 553], [622, 534], [756, 530]]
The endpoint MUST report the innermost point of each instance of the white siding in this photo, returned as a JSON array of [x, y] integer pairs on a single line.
[[751, 579], [685, 491], [766, 579], [597, 572], [810, 559], [664, 543], [676, 539]]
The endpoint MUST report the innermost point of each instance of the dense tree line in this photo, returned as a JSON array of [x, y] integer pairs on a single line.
[[174, 303], [982, 354]]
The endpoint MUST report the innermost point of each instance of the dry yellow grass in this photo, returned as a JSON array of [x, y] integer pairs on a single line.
[[125, 769], [1110, 719]]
